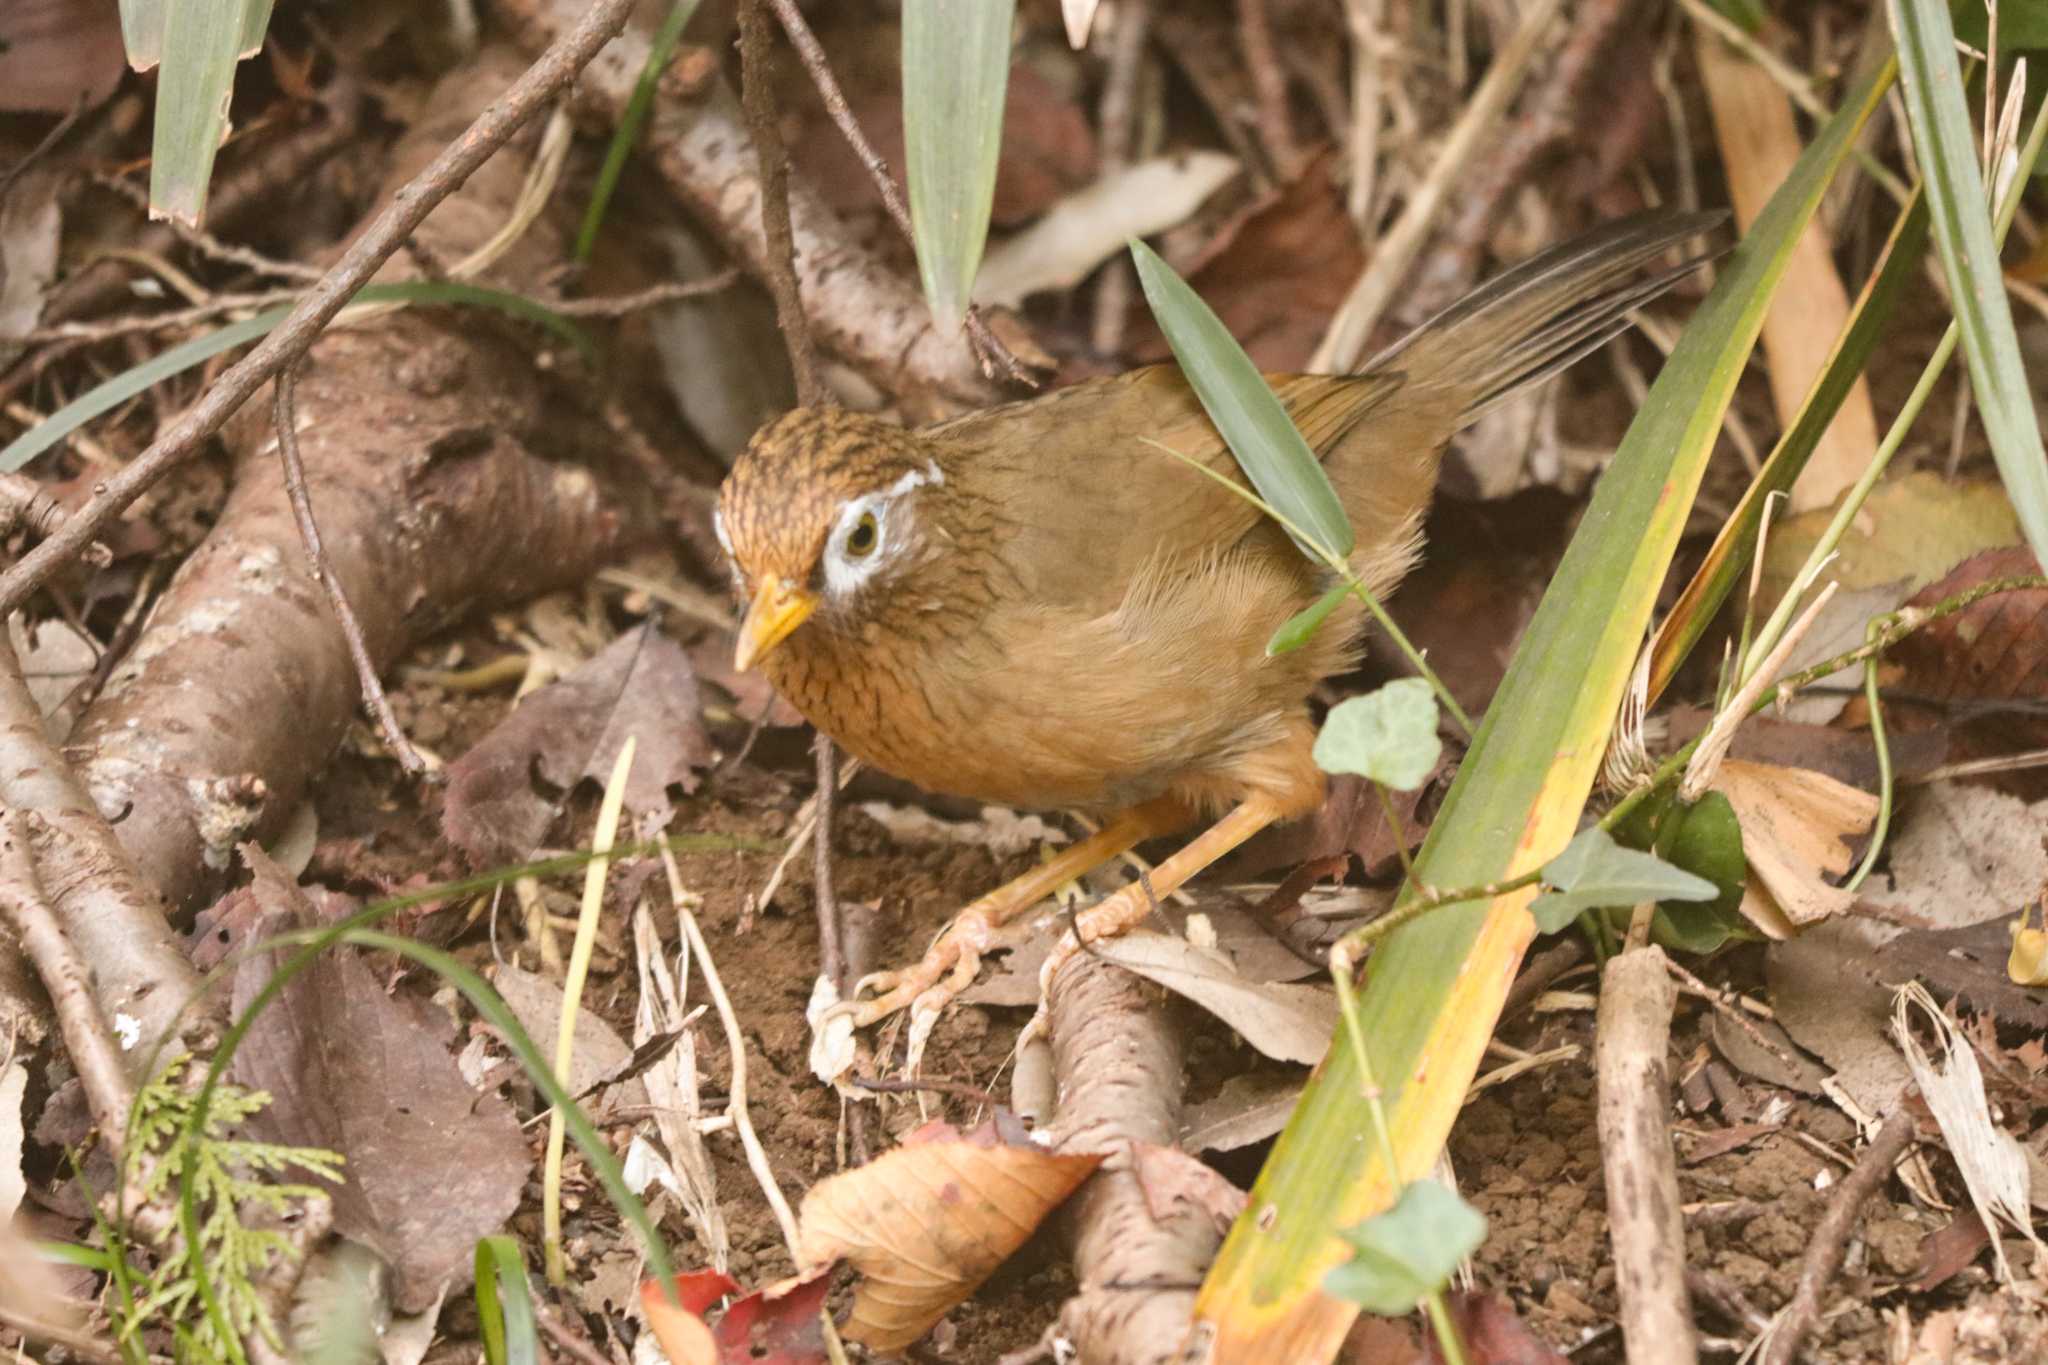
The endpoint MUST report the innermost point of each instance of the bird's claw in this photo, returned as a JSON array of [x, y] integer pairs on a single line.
[[927, 986]]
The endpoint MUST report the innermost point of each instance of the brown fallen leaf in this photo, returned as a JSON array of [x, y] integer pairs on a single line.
[[1287, 1021], [431, 1164], [1984, 669], [640, 685], [1796, 824], [925, 1224], [1169, 1176]]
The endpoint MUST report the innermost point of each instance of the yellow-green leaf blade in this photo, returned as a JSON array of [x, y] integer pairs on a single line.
[[956, 67]]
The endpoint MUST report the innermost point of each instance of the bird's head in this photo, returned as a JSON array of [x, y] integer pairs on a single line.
[[823, 514]]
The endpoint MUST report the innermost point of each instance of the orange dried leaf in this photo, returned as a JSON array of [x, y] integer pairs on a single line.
[[927, 1223], [1796, 824], [679, 1324]]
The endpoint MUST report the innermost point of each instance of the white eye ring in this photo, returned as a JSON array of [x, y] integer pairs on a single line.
[[860, 542]]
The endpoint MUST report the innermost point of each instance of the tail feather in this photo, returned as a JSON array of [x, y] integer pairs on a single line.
[[1542, 315]]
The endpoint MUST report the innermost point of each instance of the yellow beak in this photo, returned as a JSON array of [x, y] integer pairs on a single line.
[[779, 607]]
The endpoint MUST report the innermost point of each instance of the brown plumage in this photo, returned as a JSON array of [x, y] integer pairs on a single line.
[[1035, 605]]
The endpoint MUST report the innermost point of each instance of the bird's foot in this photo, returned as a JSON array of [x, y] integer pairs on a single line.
[[930, 985]]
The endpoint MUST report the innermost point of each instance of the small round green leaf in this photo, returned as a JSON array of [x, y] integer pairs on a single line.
[[1402, 1256], [1388, 736]]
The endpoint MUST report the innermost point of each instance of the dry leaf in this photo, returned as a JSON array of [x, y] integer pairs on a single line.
[[597, 1052], [925, 1224], [1289, 1023], [1247, 1109], [679, 1326], [1993, 1165], [1796, 824], [1168, 1176]]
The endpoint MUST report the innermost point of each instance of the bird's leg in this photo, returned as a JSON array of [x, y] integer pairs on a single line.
[[1129, 907], [960, 945]]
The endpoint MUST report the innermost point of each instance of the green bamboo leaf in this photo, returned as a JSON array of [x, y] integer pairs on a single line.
[[1436, 984], [1252, 420], [1594, 872], [1400, 1257], [142, 32], [956, 68], [112, 393], [202, 41], [1968, 247], [1388, 735], [504, 1303], [1298, 629]]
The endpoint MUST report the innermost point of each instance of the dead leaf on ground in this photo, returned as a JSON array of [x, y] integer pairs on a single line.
[[1993, 651], [1796, 825], [57, 56], [1996, 1326], [431, 1165], [1962, 855], [1489, 1329], [640, 685], [598, 1051], [1285, 1021], [1948, 1249], [679, 1325], [1233, 929], [925, 1224], [1247, 1109]]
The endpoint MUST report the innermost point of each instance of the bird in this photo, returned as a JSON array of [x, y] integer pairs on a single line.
[[1045, 605]]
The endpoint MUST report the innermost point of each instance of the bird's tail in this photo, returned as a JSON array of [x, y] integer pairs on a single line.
[[1540, 316]]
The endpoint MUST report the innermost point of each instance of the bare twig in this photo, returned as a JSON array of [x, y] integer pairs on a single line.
[[996, 358], [618, 305], [757, 98], [1118, 143], [1830, 1239], [567, 1339], [1269, 84], [290, 340], [831, 949], [206, 244], [285, 417], [88, 1040], [24, 506], [81, 1344], [1634, 1031], [1344, 345]]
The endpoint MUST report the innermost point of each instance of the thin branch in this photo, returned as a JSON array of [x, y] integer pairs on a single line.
[[291, 339], [284, 413], [757, 100], [996, 358], [1831, 1238], [1269, 85]]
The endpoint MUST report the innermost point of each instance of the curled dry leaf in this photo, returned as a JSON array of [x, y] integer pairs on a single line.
[[778, 1325], [1993, 1164], [925, 1224], [1287, 1022], [1796, 825], [679, 1325]]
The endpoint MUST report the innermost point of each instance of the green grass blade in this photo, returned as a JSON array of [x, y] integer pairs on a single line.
[[1436, 985], [203, 40], [1252, 420], [956, 67], [1728, 561], [1968, 248], [504, 1303], [106, 396], [142, 31], [628, 131]]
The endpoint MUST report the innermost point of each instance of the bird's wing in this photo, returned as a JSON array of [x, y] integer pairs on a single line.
[[1088, 496]]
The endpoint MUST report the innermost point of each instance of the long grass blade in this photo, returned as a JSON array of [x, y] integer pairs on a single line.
[[1968, 248], [202, 41], [1436, 985]]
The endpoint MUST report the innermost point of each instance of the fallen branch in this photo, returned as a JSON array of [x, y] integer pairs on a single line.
[[858, 307], [1634, 1032], [1117, 1059], [295, 335], [417, 438], [1831, 1238]]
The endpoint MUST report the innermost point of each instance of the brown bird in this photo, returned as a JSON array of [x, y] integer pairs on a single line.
[[1035, 605]]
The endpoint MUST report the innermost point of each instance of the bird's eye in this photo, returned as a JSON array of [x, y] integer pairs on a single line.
[[865, 535]]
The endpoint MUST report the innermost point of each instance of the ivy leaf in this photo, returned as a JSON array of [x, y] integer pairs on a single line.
[[1594, 872], [1388, 736], [1403, 1255]]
